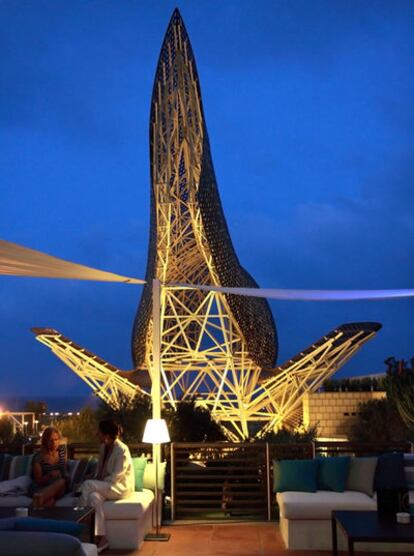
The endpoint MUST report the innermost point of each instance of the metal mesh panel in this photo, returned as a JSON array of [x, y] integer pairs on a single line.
[[186, 180]]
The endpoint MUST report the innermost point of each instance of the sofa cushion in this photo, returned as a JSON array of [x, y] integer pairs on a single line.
[[139, 465], [7, 523], [15, 501], [18, 543], [78, 473], [332, 473], [389, 473], [361, 475], [149, 475], [320, 504], [67, 501], [20, 465], [5, 460], [16, 487], [71, 469], [132, 507], [48, 526], [295, 475]]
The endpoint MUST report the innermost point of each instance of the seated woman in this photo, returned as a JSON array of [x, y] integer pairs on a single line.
[[49, 470], [114, 479]]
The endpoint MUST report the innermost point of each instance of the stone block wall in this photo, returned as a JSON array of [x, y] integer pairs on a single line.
[[334, 412]]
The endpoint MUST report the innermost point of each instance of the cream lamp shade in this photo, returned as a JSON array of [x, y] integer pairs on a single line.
[[156, 432]]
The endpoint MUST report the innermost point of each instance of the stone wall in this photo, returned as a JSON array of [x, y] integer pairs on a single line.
[[334, 412]]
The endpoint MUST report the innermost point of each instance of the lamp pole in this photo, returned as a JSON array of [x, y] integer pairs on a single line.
[[156, 349], [156, 381]]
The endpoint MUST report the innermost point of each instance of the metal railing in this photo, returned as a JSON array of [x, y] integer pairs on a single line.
[[226, 480], [332, 448], [219, 480]]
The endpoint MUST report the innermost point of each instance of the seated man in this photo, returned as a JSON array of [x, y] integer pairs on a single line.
[[115, 477]]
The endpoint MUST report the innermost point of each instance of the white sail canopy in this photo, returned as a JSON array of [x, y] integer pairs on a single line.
[[307, 295], [16, 260]]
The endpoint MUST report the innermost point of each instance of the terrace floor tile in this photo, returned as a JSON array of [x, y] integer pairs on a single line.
[[225, 539]]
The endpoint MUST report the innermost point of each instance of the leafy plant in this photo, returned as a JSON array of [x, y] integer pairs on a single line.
[[378, 420], [6, 430], [400, 387], [78, 428], [132, 416], [286, 436], [190, 423]]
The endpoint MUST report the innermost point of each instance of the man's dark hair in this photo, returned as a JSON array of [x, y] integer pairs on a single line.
[[110, 427]]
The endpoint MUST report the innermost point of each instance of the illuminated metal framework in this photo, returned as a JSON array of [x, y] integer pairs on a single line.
[[220, 349]]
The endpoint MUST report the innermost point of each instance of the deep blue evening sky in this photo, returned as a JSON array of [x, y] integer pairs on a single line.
[[309, 107]]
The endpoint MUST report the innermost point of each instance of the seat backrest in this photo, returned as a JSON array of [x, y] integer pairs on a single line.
[[16, 543], [20, 465]]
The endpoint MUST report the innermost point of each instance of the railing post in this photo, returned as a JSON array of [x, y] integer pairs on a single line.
[[269, 490], [313, 449], [172, 467]]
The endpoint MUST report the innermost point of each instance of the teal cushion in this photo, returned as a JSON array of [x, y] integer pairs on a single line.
[[139, 468], [295, 474], [48, 525], [333, 473]]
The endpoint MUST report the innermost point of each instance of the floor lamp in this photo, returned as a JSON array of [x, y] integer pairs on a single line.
[[156, 433]]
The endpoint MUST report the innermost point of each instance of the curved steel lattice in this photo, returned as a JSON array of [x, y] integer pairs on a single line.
[[216, 347]]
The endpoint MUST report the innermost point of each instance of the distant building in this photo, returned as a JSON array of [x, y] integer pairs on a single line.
[[334, 413]]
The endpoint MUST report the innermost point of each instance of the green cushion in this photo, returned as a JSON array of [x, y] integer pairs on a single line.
[[48, 525], [333, 473], [361, 475], [139, 468], [295, 474], [149, 475]]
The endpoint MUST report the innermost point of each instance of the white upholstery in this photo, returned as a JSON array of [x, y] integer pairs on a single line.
[[319, 505], [90, 549], [132, 507], [316, 534], [128, 521], [305, 520]]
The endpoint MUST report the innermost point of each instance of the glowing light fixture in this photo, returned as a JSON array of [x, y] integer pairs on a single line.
[[156, 433]]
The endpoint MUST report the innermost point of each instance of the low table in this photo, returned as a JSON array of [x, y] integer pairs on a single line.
[[85, 516], [369, 527]]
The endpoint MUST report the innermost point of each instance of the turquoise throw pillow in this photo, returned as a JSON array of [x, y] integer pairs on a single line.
[[295, 474], [139, 468], [333, 473], [48, 526]]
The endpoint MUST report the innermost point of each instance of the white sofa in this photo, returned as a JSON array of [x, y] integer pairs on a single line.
[[16, 543], [305, 517], [127, 520]]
